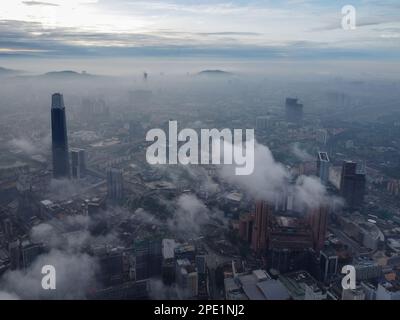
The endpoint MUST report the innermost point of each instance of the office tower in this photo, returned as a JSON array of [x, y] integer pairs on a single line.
[[329, 264], [30, 251], [15, 254], [201, 264], [294, 110], [323, 164], [321, 136], [263, 123], [148, 258], [114, 184], [59, 137], [115, 267], [168, 260], [281, 200], [288, 258], [8, 228], [367, 268], [352, 185], [260, 228], [318, 223], [246, 223], [186, 277], [78, 166]]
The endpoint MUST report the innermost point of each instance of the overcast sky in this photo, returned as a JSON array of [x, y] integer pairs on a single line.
[[173, 28]]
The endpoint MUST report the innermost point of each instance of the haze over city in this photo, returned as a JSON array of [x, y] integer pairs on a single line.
[[83, 82]]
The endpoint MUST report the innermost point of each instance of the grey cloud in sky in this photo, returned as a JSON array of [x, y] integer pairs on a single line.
[[39, 3], [245, 29]]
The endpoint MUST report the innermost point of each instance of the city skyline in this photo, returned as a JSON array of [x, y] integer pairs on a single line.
[[222, 152]]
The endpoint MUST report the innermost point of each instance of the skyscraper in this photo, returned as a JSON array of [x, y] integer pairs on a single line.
[[294, 110], [323, 164], [352, 184], [114, 184], [246, 223], [329, 264], [29, 252], [318, 224], [260, 227], [78, 166], [14, 248], [59, 137]]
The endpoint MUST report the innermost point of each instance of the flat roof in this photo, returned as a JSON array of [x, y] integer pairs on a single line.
[[249, 286], [273, 290], [168, 248], [323, 156]]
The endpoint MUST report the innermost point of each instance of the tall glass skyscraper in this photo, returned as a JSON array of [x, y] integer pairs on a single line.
[[59, 137], [323, 164]]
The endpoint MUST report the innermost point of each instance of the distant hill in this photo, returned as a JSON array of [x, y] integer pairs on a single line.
[[66, 74], [214, 73], [8, 72]]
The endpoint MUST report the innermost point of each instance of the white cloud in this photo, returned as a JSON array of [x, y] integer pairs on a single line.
[[270, 179]]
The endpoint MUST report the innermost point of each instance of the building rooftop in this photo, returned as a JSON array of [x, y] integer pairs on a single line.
[[295, 283], [261, 275], [249, 286], [323, 156], [273, 290], [168, 248], [57, 101]]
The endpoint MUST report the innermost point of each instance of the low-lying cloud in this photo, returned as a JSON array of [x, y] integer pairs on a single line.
[[270, 179]]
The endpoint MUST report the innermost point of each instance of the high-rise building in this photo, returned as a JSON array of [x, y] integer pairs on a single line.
[[318, 223], [367, 268], [149, 258], [186, 277], [246, 223], [15, 254], [329, 264], [263, 123], [30, 251], [323, 164], [201, 264], [59, 137], [352, 184], [8, 228], [321, 136], [168, 260], [78, 166], [294, 110], [115, 267], [281, 200], [114, 184], [260, 228]]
